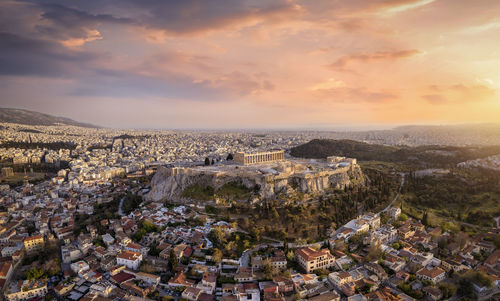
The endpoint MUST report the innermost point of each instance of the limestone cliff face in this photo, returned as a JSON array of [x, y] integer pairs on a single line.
[[284, 178]]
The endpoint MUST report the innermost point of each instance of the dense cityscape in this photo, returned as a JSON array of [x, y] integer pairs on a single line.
[[86, 230]]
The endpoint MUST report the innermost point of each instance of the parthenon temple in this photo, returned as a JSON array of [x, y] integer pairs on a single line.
[[257, 158]]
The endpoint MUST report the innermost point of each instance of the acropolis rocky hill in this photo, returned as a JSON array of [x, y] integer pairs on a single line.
[[264, 180]]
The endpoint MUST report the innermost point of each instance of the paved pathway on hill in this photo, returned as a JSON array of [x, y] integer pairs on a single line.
[[120, 210], [403, 176]]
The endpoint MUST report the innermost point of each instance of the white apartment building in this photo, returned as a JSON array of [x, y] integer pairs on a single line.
[[131, 260], [25, 290]]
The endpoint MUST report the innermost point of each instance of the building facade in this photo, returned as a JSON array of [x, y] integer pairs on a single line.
[[435, 274], [33, 243], [25, 290], [131, 260], [310, 259], [257, 158]]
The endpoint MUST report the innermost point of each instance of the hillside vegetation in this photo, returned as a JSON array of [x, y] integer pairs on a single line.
[[465, 195], [230, 191], [423, 156]]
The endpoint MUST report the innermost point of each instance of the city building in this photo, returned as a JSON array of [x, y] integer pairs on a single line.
[[339, 278], [33, 243], [191, 293], [131, 260], [435, 274], [79, 267], [5, 270], [310, 259], [394, 212], [25, 290]]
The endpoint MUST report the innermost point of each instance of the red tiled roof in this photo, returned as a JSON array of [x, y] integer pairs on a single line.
[[4, 268], [431, 273], [33, 237], [134, 246], [129, 255], [309, 253], [122, 277], [188, 251], [493, 258]]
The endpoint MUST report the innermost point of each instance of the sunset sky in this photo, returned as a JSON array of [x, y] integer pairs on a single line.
[[253, 64]]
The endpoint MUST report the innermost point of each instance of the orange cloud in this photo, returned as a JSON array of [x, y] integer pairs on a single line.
[[92, 35], [459, 93], [343, 61], [239, 83], [354, 95], [396, 6]]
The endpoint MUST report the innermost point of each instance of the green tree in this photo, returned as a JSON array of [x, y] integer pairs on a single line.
[[153, 295], [34, 274], [217, 236], [255, 233], [384, 218], [403, 217], [425, 219], [448, 290], [496, 241], [217, 255], [230, 246], [207, 161], [153, 250], [229, 157], [173, 261], [268, 270], [275, 213], [465, 288]]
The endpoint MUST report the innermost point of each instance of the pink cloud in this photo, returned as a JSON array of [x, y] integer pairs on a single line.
[[343, 61]]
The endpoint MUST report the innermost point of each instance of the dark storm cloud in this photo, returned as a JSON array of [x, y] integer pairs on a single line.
[[28, 56], [64, 22], [43, 39], [31, 39], [175, 16], [191, 16]]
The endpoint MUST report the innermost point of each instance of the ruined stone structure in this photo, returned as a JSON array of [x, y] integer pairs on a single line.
[[259, 158]]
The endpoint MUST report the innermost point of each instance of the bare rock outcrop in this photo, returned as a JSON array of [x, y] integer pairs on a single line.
[[266, 181]]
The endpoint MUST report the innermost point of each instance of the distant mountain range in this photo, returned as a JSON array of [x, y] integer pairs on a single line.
[[35, 118]]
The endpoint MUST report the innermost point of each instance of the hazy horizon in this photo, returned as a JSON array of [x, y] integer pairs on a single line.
[[287, 128]]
